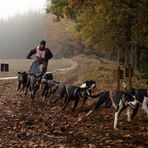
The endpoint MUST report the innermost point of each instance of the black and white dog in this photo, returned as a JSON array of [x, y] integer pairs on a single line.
[[141, 96], [46, 77], [72, 92], [88, 86], [21, 81], [120, 101]]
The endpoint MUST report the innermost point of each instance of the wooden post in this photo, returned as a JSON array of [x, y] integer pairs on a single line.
[[130, 76], [118, 78], [4, 67]]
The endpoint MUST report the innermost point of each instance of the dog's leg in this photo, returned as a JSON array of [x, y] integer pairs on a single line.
[[25, 91], [66, 103], [33, 94], [129, 112], [63, 94], [27, 86], [31, 91], [18, 86], [135, 110], [84, 100], [23, 87], [43, 92], [89, 113], [116, 118], [119, 109], [145, 104], [50, 98], [75, 105]]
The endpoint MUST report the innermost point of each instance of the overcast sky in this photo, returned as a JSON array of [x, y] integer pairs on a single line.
[[9, 8]]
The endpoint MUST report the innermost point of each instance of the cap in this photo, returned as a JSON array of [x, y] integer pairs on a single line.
[[43, 42]]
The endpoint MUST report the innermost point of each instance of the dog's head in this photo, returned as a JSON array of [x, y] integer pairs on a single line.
[[22, 76], [48, 76], [89, 84], [88, 87], [140, 94], [37, 79]]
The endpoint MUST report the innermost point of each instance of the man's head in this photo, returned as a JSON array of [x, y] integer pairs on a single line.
[[42, 44]]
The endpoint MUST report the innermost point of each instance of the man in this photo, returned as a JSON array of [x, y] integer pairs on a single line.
[[43, 54]]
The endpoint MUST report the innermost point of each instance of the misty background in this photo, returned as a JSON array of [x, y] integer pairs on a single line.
[[20, 34]]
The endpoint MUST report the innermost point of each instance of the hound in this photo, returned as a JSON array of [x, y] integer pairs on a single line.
[[33, 84], [120, 101], [72, 92], [21, 81]]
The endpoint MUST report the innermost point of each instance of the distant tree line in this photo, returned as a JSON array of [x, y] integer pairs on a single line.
[[114, 29]]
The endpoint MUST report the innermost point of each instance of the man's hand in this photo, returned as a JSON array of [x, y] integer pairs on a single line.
[[40, 59], [28, 57]]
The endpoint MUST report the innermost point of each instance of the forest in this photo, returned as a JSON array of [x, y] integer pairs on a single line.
[[114, 29]]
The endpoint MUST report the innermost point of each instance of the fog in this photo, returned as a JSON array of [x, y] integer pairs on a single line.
[[20, 34]]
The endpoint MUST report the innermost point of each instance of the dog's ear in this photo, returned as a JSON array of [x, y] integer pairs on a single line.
[[18, 72], [87, 83]]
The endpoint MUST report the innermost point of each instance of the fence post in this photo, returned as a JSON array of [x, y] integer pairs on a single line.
[[118, 78], [4, 67], [130, 76]]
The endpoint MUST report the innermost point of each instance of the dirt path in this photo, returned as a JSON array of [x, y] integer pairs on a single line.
[[55, 65]]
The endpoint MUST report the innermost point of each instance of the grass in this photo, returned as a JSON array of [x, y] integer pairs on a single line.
[[24, 65], [81, 68]]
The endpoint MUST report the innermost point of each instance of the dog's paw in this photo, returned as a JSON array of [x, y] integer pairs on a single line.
[[116, 128], [89, 113], [43, 99], [80, 119]]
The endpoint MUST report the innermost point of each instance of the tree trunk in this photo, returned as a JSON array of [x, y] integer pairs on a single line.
[[132, 56], [118, 55], [126, 56], [137, 58]]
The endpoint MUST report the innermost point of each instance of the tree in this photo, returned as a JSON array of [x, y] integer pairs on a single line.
[[113, 27]]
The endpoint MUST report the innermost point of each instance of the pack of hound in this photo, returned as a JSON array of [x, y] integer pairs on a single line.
[[51, 90]]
